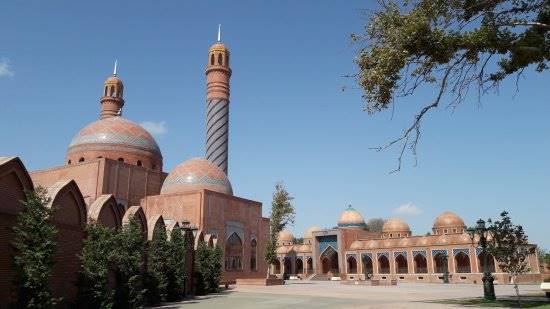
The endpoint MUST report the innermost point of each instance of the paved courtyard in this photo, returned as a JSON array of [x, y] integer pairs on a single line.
[[311, 294]]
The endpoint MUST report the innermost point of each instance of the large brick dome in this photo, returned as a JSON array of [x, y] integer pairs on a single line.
[[351, 218], [196, 174], [115, 138]]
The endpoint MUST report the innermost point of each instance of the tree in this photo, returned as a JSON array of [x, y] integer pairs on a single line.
[[129, 262], [93, 283], [175, 274], [282, 213], [375, 224], [510, 248], [34, 243], [208, 268], [159, 254], [456, 45]]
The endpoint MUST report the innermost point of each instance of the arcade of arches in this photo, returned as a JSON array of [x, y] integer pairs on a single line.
[[351, 252]]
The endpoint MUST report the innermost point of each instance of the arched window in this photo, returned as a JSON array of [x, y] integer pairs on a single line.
[[420, 264], [227, 59], [220, 59], [120, 159], [112, 91], [233, 253], [139, 163], [81, 160], [401, 264], [212, 59], [253, 247], [383, 265], [69, 162], [105, 92], [352, 265], [462, 263]]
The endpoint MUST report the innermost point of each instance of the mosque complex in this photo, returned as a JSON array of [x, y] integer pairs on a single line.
[[113, 170]]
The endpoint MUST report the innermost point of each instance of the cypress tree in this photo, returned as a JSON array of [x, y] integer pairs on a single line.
[[93, 286], [34, 243], [159, 252], [129, 262], [176, 275]]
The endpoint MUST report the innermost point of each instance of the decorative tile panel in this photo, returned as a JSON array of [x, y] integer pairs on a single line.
[[326, 241], [417, 252], [463, 250], [386, 254], [403, 253]]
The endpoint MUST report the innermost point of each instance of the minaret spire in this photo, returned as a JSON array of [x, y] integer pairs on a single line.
[[218, 73], [116, 65]]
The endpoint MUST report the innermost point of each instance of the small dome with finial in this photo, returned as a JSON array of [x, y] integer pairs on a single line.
[[351, 218]]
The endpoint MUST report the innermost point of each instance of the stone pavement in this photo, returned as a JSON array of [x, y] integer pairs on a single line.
[[309, 294]]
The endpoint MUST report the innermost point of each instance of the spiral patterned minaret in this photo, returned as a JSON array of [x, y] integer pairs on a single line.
[[217, 105]]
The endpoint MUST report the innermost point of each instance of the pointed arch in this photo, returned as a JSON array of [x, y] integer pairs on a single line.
[[253, 254], [383, 264], [401, 264], [329, 261], [352, 264], [368, 268], [233, 252], [440, 263], [137, 212], [154, 222], [170, 227], [104, 210], [490, 262], [199, 237], [420, 264], [69, 217], [14, 180], [462, 263]]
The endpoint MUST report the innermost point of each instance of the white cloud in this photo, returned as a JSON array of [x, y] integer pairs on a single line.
[[5, 68], [408, 209], [155, 128]]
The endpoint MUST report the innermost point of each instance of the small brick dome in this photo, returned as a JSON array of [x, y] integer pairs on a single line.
[[196, 174], [351, 218], [285, 236], [115, 138], [310, 230], [395, 227], [448, 223]]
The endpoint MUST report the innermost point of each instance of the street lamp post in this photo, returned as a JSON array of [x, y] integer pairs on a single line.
[[444, 259], [482, 231]]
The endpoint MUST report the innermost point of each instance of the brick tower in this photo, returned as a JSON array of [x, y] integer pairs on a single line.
[[217, 104]]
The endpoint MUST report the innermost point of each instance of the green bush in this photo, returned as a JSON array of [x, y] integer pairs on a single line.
[[159, 254]]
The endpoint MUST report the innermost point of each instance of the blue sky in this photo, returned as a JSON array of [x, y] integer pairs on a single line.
[[290, 119]]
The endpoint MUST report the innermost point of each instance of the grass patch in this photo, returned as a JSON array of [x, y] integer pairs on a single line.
[[531, 301]]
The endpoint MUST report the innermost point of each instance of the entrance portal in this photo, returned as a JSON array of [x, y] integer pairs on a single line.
[[329, 261]]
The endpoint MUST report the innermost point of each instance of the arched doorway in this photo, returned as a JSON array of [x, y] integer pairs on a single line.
[[367, 266], [329, 261], [277, 267], [401, 264], [440, 263], [299, 266], [490, 262], [420, 264], [309, 265], [233, 253], [352, 265], [383, 264], [288, 266], [462, 263]]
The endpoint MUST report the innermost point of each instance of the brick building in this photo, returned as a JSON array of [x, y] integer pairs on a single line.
[[350, 251], [114, 169]]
